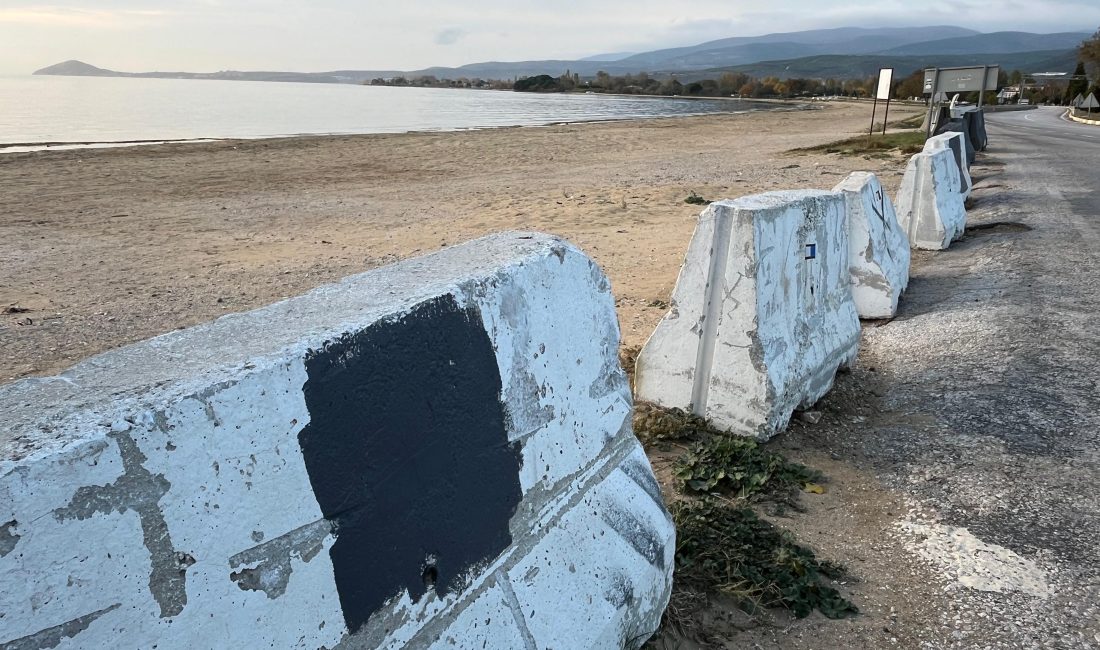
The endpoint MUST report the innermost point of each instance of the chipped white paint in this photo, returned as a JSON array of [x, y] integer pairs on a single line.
[[973, 563], [157, 494], [878, 249], [930, 205], [956, 142], [762, 314]]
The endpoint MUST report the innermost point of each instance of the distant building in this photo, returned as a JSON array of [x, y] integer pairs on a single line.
[[1008, 94]]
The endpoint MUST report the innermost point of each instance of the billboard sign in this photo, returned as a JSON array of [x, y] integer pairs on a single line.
[[885, 79], [961, 80]]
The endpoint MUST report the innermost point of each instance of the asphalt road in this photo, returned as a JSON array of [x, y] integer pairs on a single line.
[[999, 342], [1024, 396], [964, 448], [1043, 127]]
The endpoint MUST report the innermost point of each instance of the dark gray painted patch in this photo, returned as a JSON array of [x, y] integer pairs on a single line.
[[8, 538], [52, 637], [272, 569], [640, 536], [139, 490], [955, 145], [408, 455]]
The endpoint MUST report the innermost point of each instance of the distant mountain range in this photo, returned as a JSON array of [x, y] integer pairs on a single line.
[[839, 53]]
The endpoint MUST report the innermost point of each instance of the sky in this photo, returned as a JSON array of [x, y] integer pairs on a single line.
[[321, 35]]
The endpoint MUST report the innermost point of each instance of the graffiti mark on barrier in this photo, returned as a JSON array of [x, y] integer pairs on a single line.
[[268, 567], [880, 209], [140, 491], [52, 637]]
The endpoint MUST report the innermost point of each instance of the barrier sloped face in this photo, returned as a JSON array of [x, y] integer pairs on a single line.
[[878, 249], [958, 126], [930, 205], [436, 453], [762, 314], [976, 129], [956, 142]]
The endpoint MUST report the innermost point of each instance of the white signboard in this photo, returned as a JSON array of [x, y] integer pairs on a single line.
[[885, 79]]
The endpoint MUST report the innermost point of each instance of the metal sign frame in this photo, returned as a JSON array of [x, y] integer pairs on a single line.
[[980, 79]]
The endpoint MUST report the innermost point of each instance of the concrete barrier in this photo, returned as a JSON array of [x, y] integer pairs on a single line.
[[1083, 120], [956, 142], [1006, 108], [930, 206], [762, 314], [975, 126], [878, 249], [958, 126], [432, 454], [940, 117]]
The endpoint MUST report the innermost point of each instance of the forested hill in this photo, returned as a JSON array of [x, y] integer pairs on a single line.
[[841, 52]]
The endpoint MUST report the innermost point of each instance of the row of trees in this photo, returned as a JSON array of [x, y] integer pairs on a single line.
[[726, 85], [745, 85], [1088, 67], [431, 81]]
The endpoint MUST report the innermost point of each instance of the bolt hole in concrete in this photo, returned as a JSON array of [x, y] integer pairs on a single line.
[[430, 576], [996, 228]]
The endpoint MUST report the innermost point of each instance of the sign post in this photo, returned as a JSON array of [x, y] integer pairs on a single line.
[[1089, 103], [882, 91], [930, 89]]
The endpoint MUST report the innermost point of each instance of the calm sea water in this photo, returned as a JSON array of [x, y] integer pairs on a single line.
[[81, 110]]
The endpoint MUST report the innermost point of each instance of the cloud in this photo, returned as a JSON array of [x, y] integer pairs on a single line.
[[308, 35], [449, 36], [59, 16]]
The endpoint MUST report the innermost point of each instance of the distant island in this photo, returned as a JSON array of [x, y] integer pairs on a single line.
[[842, 53], [75, 68]]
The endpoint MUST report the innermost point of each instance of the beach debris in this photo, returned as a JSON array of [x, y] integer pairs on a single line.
[[810, 417]]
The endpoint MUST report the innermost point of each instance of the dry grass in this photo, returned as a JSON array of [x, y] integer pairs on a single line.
[[904, 142]]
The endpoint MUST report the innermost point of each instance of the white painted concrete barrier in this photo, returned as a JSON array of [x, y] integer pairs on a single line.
[[930, 206], [956, 143], [762, 314], [878, 249], [433, 454], [958, 126]]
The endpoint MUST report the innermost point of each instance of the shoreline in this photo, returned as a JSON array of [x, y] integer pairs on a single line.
[[107, 246], [32, 147]]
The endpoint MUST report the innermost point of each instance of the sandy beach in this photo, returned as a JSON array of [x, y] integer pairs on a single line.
[[103, 247]]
